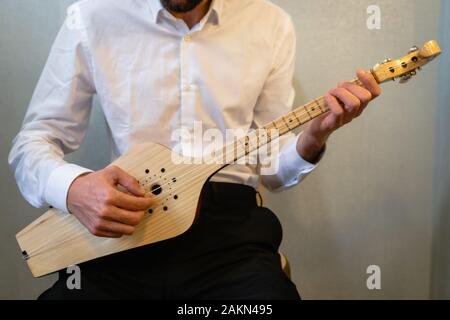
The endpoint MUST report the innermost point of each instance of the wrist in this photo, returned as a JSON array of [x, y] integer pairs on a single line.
[[310, 147], [73, 188]]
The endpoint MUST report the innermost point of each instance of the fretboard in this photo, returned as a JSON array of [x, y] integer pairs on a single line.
[[283, 125]]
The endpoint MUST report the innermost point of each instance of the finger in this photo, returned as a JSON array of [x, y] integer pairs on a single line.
[[104, 234], [335, 108], [127, 181], [364, 95], [369, 82], [130, 202], [131, 218], [112, 227], [351, 102], [90, 225]]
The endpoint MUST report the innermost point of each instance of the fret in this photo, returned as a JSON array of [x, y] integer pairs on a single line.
[[319, 105], [256, 133], [261, 135], [241, 151], [314, 111], [269, 135], [298, 120], [293, 118], [307, 111], [286, 123], [305, 115], [282, 131], [272, 125], [277, 125], [247, 145]]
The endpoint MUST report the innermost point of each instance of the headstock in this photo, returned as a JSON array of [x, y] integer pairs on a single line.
[[406, 67]]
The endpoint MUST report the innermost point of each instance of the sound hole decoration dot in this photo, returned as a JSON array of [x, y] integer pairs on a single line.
[[150, 211], [165, 208], [147, 171], [163, 170], [174, 180], [175, 197]]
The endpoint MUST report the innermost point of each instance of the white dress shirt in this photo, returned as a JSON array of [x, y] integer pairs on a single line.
[[153, 75]]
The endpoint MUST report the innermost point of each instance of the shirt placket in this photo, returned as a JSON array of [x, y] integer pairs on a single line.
[[187, 103], [188, 90]]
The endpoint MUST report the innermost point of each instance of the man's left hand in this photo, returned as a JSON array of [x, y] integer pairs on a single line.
[[346, 102]]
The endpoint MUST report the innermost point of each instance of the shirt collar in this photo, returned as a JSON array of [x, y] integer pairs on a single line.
[[216, 10]]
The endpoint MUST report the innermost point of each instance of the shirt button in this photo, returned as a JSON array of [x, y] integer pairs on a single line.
[[187, 87], [187, 38]]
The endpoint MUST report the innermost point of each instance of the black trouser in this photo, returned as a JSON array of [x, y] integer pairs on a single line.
[[231, 252]]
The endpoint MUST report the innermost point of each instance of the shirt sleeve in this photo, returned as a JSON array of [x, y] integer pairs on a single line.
[[276, 100], [55, 123]]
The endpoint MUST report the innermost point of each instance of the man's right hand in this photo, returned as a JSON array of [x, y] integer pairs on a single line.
[[104, 210]]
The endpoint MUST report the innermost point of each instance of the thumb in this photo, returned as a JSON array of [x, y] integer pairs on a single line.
[[127, 181]]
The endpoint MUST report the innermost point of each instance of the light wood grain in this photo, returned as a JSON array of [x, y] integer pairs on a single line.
[[57, 240]]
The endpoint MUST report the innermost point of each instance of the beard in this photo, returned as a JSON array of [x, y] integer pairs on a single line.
[[180, 6]]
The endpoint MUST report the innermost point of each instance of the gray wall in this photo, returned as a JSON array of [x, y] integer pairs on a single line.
[[27, 30], [441, 226], [371, 199]]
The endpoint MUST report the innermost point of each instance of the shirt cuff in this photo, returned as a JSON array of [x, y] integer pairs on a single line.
[[294, 167], [59, 182]]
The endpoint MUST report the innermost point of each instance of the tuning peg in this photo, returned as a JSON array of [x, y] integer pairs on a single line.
[[413, 49], [387, 60], [406, 77]]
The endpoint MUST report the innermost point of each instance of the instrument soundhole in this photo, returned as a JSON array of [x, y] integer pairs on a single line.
[[156, 189]]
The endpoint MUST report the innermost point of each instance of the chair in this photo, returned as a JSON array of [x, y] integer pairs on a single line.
[[285, 265]]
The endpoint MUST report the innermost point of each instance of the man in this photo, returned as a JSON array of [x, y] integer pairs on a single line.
[[158, 65]]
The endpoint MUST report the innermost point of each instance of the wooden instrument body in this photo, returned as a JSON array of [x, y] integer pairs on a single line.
[[57, 240]]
